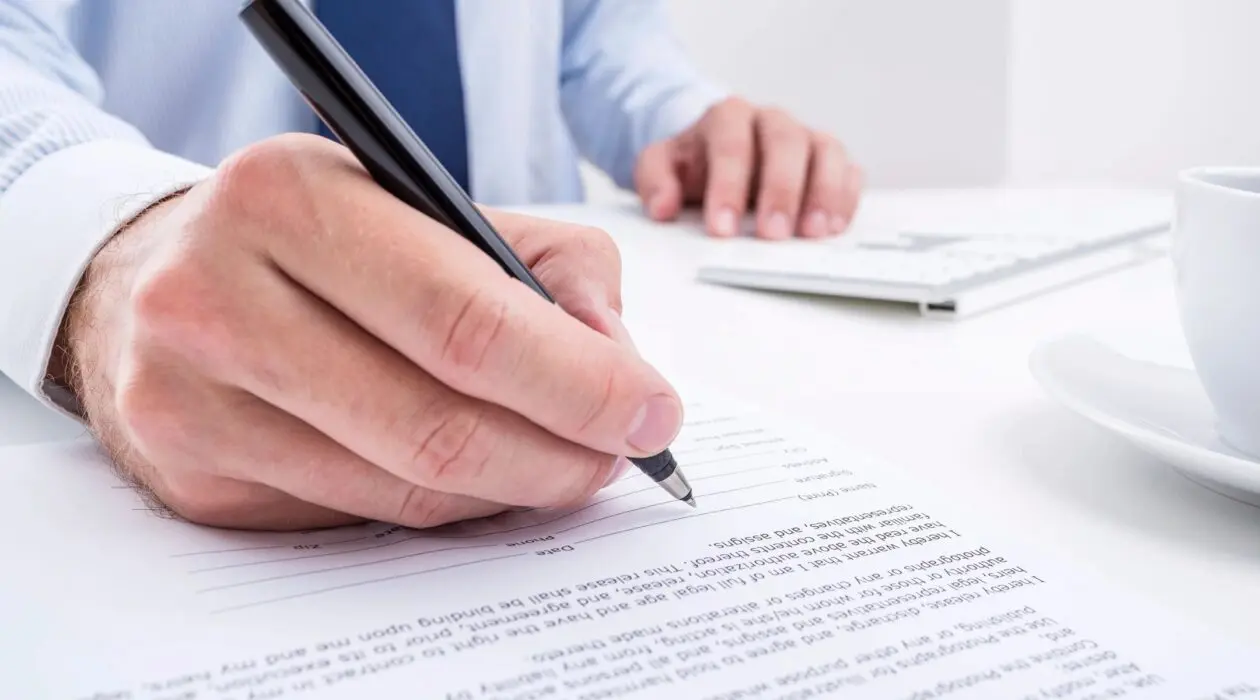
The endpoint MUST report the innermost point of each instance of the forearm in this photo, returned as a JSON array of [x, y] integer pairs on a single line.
[[626, 81]]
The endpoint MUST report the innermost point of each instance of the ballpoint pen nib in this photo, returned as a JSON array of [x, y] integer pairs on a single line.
[[676, 485]]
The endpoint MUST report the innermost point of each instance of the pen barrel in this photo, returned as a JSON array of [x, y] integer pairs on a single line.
[[354, 109]]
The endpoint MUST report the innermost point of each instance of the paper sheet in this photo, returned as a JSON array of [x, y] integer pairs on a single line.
[[805, 572]]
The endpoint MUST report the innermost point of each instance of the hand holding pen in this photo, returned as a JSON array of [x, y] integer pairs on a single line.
[[360, 116], [288, 345]]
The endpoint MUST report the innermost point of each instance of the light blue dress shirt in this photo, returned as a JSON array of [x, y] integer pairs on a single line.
[[106, 105]]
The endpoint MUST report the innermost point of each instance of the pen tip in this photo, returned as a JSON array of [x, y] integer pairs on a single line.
[[690, 501]]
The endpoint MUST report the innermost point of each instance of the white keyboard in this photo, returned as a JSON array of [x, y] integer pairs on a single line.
[[915, 260], [946, 269]]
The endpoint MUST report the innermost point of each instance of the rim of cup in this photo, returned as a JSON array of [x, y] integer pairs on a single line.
[[1202, 176]]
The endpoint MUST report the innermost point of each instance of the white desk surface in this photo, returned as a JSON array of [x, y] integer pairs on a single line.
[[952, 403]]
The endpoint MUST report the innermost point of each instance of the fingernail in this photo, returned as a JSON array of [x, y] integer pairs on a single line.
[[618, 470], [656, 424], [816, 225], [724, 223], [777, 226], [839, 224]]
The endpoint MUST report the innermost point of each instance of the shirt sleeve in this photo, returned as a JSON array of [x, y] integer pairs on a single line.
[[70, 175], [626, 82]]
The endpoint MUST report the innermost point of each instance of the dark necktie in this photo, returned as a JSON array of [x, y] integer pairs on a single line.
[[408, 48]]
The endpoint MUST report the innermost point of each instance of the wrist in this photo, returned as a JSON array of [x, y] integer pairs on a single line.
[[73, 364]]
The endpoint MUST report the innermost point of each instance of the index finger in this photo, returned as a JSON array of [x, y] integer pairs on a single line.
[[451, 310], [580, 267], [729, 149]]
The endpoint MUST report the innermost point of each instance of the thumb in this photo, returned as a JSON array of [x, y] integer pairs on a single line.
[[657, 182]]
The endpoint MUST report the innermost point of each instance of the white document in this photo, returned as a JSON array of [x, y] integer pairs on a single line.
[[805, 572]]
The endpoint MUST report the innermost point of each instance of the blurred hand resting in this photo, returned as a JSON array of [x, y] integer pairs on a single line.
[[801, 181]]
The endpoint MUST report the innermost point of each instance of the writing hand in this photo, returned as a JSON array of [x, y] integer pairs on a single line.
[[801, 181], [287, 346]]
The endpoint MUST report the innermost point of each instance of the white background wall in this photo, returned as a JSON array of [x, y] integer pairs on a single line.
[[963, 92], [915, 88], [1132, 90]]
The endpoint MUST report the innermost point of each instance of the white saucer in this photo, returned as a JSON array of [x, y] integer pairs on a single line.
[[1157, 404]]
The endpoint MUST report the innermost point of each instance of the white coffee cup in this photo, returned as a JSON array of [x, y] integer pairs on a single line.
[[1216, 253]]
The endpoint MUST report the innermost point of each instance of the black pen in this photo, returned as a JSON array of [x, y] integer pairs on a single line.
[[355, 110]]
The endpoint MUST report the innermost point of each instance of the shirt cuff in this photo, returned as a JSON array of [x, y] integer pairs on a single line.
[[53, 220]]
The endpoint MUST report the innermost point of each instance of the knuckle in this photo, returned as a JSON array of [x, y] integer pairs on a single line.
[[778, 124], [780, 196], [598, 242], [205, 499], [779, 139], [178, 307], [595, 245], [253, 172], [772, 115], [457, 448], [828, 145], [420, 507], [735, 106], [246, 182], [477, 326], [147, 411], [164, 298], [735, 146]]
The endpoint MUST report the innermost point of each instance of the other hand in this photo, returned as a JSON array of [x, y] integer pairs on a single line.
[[287, 346], [800, 181]]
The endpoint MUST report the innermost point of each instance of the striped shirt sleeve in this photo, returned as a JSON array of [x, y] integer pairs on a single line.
[[70, 175]]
